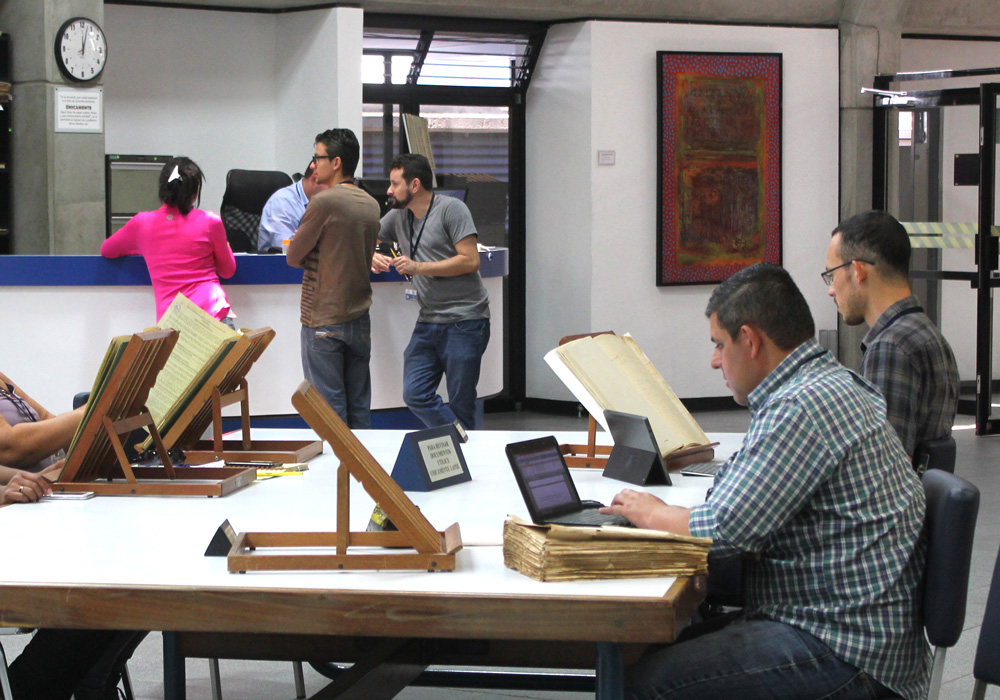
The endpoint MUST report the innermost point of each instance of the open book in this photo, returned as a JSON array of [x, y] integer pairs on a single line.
[[612, 372], [202, 345]]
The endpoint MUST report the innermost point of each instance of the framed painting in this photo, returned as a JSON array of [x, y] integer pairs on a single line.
[[720, 164]]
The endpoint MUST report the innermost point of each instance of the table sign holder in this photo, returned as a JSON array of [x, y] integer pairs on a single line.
[[430, 459], [226, 386], [97, 460], [434, 550]]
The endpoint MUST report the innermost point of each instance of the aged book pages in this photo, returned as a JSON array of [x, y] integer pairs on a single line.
[[612, 372], [561, 553], [108, 364], [202, 344]]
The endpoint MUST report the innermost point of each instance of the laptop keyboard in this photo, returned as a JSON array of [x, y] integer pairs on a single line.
[[591, 517]]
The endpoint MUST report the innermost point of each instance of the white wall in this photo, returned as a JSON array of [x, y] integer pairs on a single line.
[[214, 86], [592, 229], [960, 134]]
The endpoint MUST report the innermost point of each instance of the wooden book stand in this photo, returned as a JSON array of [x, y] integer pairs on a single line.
[[591, 455], [97, 452], [225, 386], [434, 550]]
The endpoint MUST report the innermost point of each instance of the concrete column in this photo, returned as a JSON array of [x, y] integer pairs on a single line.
[[869, 45], [58, 179]]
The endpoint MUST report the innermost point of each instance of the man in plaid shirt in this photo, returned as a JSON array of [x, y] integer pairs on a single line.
[[823, 495], [905, 355]]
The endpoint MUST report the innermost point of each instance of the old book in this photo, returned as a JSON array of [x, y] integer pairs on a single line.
[[612, 372], [202, 345], [561, 553]]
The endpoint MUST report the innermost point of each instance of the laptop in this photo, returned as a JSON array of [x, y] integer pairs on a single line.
[[548, 489]]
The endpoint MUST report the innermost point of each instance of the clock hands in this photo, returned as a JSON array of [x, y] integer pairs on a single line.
[[83, 45]]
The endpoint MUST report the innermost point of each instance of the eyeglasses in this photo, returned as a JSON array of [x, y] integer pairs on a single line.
[[827, 275], [316, 157]]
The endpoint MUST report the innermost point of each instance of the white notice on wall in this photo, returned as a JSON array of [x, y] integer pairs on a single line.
[[440, 458], [80, 110]]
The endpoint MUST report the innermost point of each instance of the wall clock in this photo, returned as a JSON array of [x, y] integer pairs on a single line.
[[81, 49]]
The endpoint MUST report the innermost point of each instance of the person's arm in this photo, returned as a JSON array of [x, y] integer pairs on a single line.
[[647, 511], [123, 241], [307, 236], [225, 261], [26, 444], [465, 261]]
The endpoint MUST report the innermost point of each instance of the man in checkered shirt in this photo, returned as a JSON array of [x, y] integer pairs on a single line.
[[905, 355], [823, 496]]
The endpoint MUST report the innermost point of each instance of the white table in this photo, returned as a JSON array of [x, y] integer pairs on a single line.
[[137, 563]]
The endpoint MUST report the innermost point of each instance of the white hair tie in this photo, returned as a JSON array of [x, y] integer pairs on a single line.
[[175, 175]]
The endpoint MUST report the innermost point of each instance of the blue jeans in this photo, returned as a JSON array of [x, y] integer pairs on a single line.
[[454, 350], [335, 360], [749, 660]]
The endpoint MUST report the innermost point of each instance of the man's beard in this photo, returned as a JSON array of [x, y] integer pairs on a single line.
[[400, 203]]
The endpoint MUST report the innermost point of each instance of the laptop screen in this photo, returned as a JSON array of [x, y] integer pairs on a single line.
[[543, 478]]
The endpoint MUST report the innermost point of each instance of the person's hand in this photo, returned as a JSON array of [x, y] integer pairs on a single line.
[[406, 266], [642, 509], [25, 487], [380, 263]]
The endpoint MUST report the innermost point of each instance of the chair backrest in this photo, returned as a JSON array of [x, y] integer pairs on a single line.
[[247, 191], [987, 665], [935, 454], [952, 507]]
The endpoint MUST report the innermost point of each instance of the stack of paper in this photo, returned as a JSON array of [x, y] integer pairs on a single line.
[[561, 553]]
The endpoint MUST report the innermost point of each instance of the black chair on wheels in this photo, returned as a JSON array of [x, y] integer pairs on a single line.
[[247, 191], [935, 454], [952, 507], [986, 669]]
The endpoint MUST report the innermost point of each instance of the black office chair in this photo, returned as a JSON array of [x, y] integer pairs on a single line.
[[952, 507], [247, 191], [986, 669], [935, 454]]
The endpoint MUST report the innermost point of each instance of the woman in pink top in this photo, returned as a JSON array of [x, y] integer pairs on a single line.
[[185, 248]]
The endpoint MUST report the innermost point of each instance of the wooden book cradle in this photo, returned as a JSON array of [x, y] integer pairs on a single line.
[[97, 460], [425, 547], [225, 386], [594, 456]]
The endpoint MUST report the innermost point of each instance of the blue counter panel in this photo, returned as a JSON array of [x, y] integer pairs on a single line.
[[93, 270]]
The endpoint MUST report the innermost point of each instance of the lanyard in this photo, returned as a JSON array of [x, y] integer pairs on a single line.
[[427, 215]]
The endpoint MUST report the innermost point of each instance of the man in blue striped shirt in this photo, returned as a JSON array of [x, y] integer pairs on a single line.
[[823, 496]]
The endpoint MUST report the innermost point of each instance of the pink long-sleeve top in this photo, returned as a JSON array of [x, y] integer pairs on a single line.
[[185, 254]]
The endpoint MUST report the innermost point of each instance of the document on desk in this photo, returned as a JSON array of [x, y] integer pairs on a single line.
[[202, 344], [612, 372]]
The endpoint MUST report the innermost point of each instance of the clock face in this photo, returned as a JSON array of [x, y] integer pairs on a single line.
[[81, 50]]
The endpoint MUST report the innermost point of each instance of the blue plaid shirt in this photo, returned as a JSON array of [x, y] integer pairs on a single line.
[[824, 492], [909, 360]]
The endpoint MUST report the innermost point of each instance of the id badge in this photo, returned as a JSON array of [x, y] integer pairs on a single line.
[[410, 294]]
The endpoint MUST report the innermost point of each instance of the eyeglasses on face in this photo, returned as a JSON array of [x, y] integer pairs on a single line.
[[827, 275], [317, 156]]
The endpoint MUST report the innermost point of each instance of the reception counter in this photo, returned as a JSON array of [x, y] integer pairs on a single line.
[[59, 313]]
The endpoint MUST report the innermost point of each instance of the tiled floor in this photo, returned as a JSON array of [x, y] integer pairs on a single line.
[[978, 461]]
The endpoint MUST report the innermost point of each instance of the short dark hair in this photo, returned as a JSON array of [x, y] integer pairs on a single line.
[[763, 295], [342, 143], [877, 237], [414, 167], [185, 189]]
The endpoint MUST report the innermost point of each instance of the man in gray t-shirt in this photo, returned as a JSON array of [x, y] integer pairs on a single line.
[[440, 259]]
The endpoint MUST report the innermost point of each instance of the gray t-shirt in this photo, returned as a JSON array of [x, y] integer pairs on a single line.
[[448, 221]]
